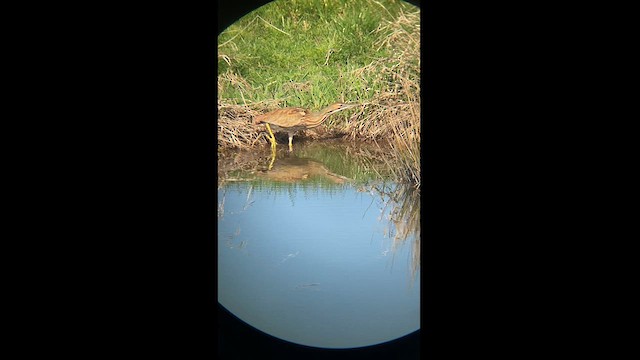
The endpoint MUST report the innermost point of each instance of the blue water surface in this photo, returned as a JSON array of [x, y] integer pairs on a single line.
[[315, 266]]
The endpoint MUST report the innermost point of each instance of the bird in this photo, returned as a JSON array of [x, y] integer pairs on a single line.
[[295, 169], [293, 119]]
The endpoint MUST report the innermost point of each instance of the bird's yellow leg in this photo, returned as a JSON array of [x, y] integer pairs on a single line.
[[272, 138], [290, 147], [273, 157]]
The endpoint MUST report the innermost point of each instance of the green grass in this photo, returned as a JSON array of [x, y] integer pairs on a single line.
[[305, 53]]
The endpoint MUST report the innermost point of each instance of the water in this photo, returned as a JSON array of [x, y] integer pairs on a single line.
[[320, 262]]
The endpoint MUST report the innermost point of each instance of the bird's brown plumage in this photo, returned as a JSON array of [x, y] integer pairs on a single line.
[[285, 118], [294, 119]]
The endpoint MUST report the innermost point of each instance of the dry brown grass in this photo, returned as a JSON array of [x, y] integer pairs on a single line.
[[404, 38], [403, 219], [234, 125], [393, 116]]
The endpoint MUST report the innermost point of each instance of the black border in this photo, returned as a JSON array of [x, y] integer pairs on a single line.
[[121, 117]]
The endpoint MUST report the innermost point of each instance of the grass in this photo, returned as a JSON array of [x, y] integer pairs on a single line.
[[303, 52], [310, 53], [403, 204]]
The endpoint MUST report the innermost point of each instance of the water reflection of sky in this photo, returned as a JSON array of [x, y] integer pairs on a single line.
[[313, 266]]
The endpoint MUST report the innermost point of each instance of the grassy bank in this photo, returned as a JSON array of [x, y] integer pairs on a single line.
[[313, 53]]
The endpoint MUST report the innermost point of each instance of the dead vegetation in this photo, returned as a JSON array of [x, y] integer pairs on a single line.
[[403, 218]]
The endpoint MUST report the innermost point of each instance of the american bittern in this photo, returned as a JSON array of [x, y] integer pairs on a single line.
[[291, 120]]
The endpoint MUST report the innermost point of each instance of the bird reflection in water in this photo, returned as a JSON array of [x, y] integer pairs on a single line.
[[294, 169]]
